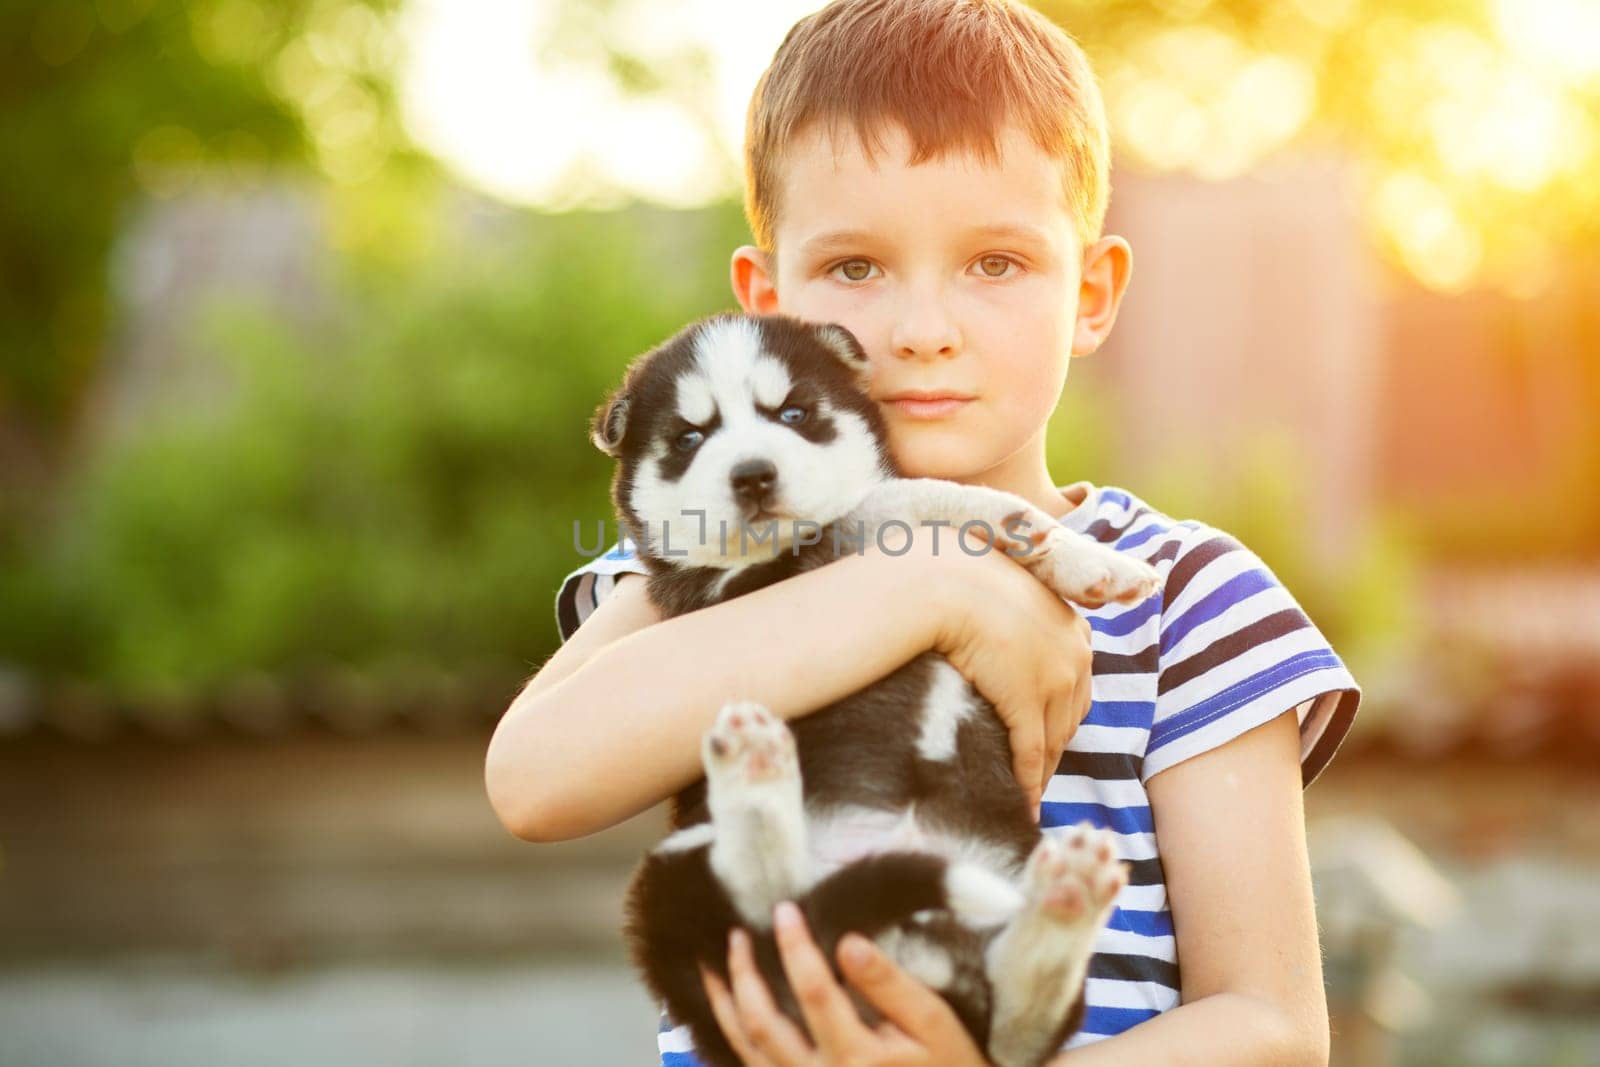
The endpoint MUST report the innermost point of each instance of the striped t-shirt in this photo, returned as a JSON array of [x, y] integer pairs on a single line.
[[1222, 649]]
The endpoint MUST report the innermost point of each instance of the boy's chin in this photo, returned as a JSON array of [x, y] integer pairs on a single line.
[[924, 455]]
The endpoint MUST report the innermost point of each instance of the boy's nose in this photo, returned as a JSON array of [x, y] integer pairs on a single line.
[[924, 330]]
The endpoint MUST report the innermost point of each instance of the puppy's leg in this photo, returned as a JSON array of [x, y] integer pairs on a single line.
[[758, 851], [1087, 572], [1074, 566], [924, 503], [1037, 965]]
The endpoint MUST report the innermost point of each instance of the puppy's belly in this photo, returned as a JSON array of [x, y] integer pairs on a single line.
[[840, 835]]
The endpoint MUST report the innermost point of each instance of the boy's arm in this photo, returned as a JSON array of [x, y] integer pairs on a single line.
[[627, 609], [1233, 850], [612, 723], [1225, 764]]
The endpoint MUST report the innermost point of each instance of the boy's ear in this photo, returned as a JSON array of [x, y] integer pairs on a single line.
[[609, 424], [842, 343], [753, 278], [1107, 265]]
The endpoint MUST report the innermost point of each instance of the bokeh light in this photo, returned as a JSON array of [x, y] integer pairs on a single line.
[[561, 127]]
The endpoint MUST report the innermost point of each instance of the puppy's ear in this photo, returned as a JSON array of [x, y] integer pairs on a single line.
[[842, 343], [609, 424]]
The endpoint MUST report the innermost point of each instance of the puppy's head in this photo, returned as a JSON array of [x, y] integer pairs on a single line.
[[753, 424]]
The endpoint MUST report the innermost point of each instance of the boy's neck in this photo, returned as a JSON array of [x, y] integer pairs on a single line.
[[1026, 475]]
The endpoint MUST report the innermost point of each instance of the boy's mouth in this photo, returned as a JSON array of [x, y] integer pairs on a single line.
[[927, 403]]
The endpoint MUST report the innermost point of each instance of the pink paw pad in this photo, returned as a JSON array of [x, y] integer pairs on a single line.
[[1025, 538], [751, 743], [1098, 594], [1076, 874]]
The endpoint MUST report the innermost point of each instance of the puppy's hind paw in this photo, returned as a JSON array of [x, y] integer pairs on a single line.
[[748, 745], [1074, 877]]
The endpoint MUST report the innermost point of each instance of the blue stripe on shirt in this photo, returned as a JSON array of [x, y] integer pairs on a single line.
[[1145, 923], [1237, 695], [1239, 587], [1122, 820], [1102, 1020], [1116, 496], [1134, 540], [1138, 713], [1126, 623]]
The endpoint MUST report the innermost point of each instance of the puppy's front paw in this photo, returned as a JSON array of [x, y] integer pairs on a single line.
[[1074, 877], [1088, 573], [1023, 534], [748, 745]]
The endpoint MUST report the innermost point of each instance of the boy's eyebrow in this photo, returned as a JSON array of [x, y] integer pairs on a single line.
[[1012, 231], [837, 239], [840, 239]]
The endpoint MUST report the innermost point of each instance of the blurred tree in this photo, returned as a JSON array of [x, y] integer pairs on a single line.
[[391, 488], [104, 102]]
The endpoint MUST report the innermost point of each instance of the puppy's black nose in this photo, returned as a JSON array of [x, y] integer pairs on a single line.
[[753, 479]]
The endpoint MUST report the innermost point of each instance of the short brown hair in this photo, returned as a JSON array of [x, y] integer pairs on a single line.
[[952, 72]]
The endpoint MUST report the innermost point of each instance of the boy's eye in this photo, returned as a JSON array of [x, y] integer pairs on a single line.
[[689, 440], [995, 266], [855, 270]]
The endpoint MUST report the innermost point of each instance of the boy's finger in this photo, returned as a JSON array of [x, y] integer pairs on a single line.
[[1082, 701], [1027, 755], [1061, 723], [1052, 745], [727, 1016], [915, 1010], [769, 1031], [834, 1024]]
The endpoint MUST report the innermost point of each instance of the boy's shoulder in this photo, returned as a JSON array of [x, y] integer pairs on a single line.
[[1230, 645], [1120, 518]]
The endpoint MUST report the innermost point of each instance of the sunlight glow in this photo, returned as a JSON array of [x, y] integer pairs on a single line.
[[1560, 35], [1193, 98], [480, 90], [1478, 137], [1433, 242]]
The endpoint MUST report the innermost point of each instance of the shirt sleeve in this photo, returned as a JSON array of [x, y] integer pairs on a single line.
[[1236, 651], [583, 589]]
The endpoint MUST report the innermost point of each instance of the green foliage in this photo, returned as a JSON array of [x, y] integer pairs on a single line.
[[398, 485], [84, 85], [102, 103]]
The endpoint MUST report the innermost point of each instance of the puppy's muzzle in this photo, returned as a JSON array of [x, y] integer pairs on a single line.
[[753, 481]]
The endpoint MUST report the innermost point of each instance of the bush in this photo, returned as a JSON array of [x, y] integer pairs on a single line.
[[396, 483]]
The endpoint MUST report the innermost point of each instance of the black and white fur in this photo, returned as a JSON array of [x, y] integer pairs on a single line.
[[893, 812]]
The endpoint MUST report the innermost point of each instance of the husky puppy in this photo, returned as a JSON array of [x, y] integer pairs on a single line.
[[748, 450]]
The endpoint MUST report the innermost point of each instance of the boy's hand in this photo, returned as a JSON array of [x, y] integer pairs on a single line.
[[921, 1027], [1022, 647]]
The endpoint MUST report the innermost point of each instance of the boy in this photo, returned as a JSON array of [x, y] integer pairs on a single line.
[[933, 174]]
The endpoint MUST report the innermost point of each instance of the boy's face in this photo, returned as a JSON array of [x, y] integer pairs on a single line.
[[956, 277]]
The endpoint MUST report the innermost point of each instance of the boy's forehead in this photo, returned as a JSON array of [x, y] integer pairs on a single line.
[[833, 186]]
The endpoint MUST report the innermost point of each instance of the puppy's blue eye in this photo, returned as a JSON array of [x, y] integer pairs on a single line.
[[793, 415], [689, 440]]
